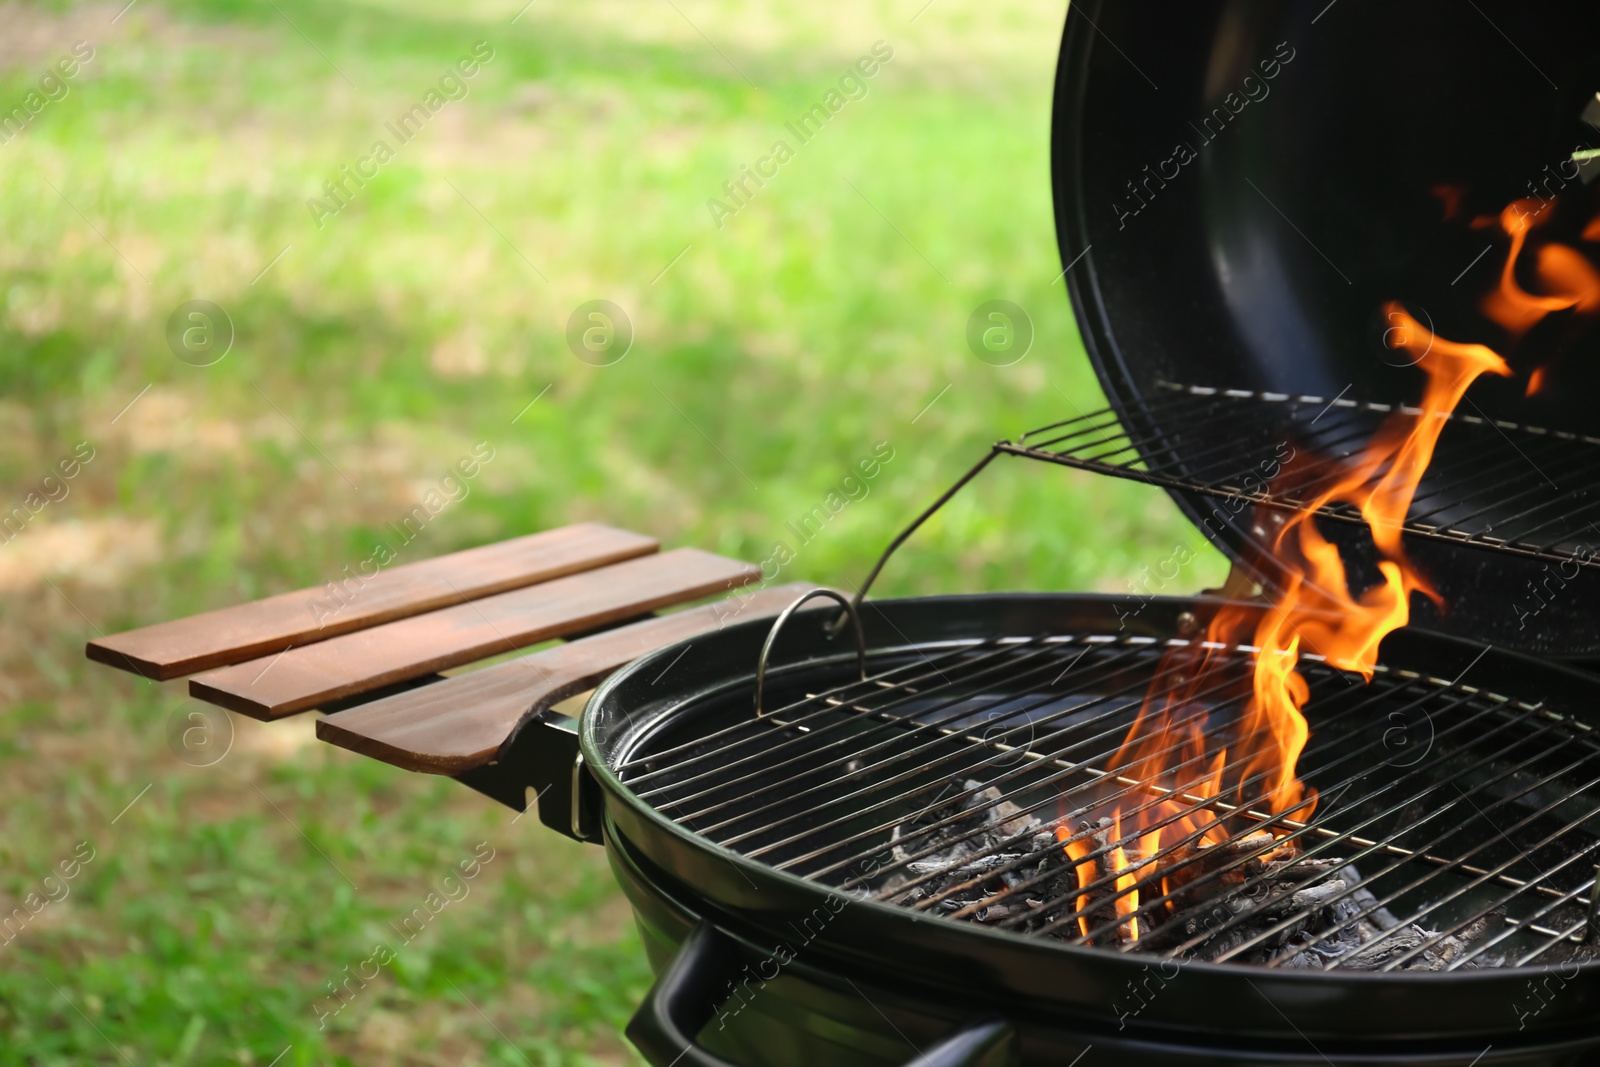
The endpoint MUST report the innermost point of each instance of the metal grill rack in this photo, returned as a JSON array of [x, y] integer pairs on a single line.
[[1520, 489], [1485, 821]]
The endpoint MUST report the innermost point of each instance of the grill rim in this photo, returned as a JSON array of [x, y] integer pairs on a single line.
[[1393, 1005]]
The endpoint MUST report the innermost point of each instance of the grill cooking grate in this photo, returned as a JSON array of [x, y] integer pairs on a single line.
[[1465, 810], [1488, 483]]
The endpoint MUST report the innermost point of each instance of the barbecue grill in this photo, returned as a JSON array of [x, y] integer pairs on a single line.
[[828, 829], [877, 832], [1441, 905]]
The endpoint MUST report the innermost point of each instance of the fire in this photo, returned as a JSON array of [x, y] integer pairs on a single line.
[[1126, 901], [1450, 198], [1571, 281], [1316, 610], [1123, 871], [1170, 747], [1086, 869], [1173, 762]]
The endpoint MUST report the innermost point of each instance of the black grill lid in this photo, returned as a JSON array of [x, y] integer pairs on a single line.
[[1231, 229]]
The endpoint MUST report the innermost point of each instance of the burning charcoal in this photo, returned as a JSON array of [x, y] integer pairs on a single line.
[[907, 842], [1349, 933], [1318, 895], [1380, 917], [1253, 898], [1006, 816], [960, 857], [1224, 941], [1276, 909], [910, 896], [1436, 957], [1237, 922], [1186, 866], [1395, 944], [973, 834], [1457, 943], [1248, 843], [970, 867]]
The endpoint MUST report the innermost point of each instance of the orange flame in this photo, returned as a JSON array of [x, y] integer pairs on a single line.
[[1125, 880], [1450, 198], [1572, 282], [1126, 901], [1171, 751], [1169, 743], [1315, 608], [1085, 869]]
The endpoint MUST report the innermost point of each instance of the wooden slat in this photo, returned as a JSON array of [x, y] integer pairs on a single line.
[[460, 723], [247, 631], [303, 678]]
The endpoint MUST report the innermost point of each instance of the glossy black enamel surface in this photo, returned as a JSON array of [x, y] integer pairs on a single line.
[[1256, 248]]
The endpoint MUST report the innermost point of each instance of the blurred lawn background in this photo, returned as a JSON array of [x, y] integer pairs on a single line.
[[771, 355]]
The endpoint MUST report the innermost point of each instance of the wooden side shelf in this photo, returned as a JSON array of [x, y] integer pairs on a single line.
[[337, 647]]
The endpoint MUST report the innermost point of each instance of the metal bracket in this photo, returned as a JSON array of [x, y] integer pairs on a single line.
[[543, 755]]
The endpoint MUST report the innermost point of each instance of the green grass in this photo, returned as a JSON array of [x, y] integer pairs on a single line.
[[823, 318]]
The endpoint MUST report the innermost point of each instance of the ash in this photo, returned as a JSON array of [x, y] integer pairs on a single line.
[[999, 866]]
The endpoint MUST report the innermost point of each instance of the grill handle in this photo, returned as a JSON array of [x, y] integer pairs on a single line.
[[701, 979], [777, 627]]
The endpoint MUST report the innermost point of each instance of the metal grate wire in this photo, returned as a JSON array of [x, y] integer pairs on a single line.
[[1491, 483], [1494, 823]]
